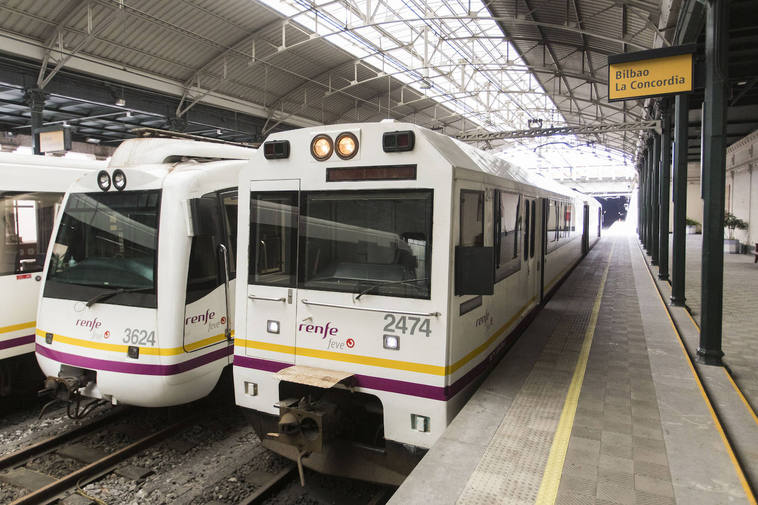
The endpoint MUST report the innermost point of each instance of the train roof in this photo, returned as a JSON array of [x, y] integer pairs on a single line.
[[30, 173], [152, 151]]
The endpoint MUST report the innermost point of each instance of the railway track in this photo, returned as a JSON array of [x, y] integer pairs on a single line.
[[90, 471]]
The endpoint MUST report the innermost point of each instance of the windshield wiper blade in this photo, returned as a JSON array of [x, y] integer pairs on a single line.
[[108, 294], [388, 283]]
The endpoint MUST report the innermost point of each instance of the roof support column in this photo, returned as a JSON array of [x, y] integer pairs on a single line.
[[714, 177], [654, 199], [678, 252], [649, 211], [665, 193], [35, 98], [641, 200]]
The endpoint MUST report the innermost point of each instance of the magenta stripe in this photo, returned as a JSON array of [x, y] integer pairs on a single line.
[[15, 342], [133, 368], [404, 387], [260, 364]]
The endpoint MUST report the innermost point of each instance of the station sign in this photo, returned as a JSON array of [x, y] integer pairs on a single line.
[[54, 139], [657, 72]]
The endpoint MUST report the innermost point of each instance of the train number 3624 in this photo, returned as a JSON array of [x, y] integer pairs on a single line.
[[407, 325], [135, 336]]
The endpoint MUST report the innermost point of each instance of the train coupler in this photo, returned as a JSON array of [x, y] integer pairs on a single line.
[[66, 390]]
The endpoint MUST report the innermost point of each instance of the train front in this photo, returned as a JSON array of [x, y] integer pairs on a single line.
[[341, 341], [134, 305]]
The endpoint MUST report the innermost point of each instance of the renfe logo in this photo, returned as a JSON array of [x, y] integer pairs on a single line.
[[318, 329], [200, 318], [92, 324]]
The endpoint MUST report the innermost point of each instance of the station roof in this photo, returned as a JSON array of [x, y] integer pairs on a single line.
[[240, 69]]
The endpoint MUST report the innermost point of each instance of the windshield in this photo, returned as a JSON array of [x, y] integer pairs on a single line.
[[377, 242], [106, 242]]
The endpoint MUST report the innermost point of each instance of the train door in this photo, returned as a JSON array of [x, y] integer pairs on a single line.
[[209, 298], [531, 258], [586, 229], [272, 276]]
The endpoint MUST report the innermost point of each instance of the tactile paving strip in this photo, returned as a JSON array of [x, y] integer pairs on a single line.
[[510, 471]]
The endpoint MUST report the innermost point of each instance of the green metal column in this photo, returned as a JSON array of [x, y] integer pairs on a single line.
[[641, 200], [35, 99], [665, 193], [678, 255], [649, 217], [714, 179], [654, 199]]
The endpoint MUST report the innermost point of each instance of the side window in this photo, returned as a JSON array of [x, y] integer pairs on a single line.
[[532, 232], [229, 204], [203, 274], [27, 223], [272, 256], [507, 229], [527, 229], [552, 221], [472, 218]]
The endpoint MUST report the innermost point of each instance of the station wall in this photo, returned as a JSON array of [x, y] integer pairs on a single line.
[[742, 185]]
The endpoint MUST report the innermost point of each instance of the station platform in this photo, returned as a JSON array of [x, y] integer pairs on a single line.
[[598, 403]]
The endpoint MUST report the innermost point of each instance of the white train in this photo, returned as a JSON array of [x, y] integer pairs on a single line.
[[384, 269], [138, 294], [31, 190]]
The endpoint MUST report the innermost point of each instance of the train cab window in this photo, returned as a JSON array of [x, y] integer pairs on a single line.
[[472, 218], [27, 222], [377, 242], [107, 242], [272, 255], [507, 220]]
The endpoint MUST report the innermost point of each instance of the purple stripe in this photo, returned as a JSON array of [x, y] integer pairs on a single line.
[[259, 364], [403, 387], [14, 342], [133, 368]]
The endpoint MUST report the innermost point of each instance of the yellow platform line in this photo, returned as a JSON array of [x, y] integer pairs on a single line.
[[749, 407], [551, 479], [20, 326], [724, 439]]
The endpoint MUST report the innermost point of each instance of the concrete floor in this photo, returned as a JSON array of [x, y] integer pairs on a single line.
[[740, 324]]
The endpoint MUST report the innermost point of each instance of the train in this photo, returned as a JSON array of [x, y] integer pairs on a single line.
[[138, 288], [31, 191], [383, 269]]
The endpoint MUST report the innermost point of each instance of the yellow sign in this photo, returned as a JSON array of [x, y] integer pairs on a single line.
[[650, 77]]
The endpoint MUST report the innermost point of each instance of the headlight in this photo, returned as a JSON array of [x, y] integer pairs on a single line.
[[347, 145], [104, 180], [322, 147], [119, 180], [392, 342]]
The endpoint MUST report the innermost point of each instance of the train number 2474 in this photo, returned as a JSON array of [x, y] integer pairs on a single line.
[[407, 325]]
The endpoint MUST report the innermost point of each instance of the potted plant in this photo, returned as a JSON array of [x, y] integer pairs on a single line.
[[693, 226], [732, 222]]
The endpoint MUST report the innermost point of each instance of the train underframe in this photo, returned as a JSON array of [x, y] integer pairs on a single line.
[[335, 431]]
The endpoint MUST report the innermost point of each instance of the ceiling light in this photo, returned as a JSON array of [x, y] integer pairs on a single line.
[[120, 102], [92, 140], [218, 131]]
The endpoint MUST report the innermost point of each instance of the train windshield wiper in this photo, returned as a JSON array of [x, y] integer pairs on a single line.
[[388, 283], [108, 294]]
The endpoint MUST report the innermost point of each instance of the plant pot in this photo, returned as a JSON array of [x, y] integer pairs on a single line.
[[731, 246], [692, 229]]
